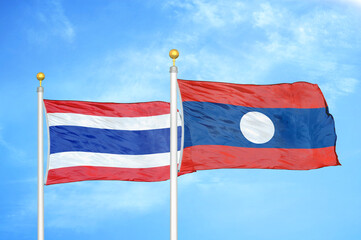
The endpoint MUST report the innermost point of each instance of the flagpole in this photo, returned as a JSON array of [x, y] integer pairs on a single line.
[[173, 148], [40, 76]]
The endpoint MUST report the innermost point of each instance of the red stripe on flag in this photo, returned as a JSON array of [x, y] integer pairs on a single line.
[[108, 109], [83, 173], [203, 157], [295, 95]]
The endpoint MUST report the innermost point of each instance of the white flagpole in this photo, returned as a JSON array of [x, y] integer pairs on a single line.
[[173, 148], [40, 76]]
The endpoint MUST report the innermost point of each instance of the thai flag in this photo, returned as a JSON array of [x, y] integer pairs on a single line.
[[108, 141], [281, 126]]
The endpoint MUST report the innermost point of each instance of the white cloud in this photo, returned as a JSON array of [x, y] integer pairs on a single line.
[[13, 151], [83, 205], [225, 187], [352, 2], [267, 16], [232, 42], [52, 22], [211, 13], [22, 215], [135, 75], [311, 42], [123, 75], [348, 85], [335, 88]]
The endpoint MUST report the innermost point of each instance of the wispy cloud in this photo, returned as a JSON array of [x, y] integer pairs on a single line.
[[12, 150], [23, 214], [84, 205], [289, 46], [210, 13], [336, 88], [356, 3], [213, 188], [133, 75], [140, 75], [267, 16], [52, 21]]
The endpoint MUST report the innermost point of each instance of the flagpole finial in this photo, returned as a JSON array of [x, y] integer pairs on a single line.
[[40, 76], [173, 54]]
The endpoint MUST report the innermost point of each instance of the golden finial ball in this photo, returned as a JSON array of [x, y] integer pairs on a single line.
[[173, 53], [40, 76]]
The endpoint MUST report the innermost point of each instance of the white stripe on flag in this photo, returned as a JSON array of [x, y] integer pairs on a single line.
[[73, 159], [117, 123]]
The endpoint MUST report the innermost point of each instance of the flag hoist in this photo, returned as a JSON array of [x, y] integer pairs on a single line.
[[173, 148], [40, 76]]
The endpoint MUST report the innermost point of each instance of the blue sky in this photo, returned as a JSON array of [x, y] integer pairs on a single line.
[[118, 51]]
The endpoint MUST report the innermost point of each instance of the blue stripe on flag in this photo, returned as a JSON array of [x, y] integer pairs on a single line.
[[84, 139], [219, 124]]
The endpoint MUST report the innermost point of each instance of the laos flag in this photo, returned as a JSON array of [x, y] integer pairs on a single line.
[[281, 126]]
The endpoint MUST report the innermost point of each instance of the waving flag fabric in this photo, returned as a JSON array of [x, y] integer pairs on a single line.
[[282, 126], [108, 141]]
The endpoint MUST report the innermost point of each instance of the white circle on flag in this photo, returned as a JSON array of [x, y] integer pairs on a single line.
[[256, 127]]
